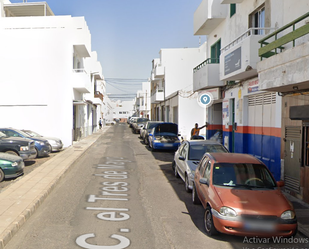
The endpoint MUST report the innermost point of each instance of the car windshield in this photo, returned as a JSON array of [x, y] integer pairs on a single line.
[[242, 175], [142, 120], [33, 134], [2, 134], [197, 151], [24, 134]]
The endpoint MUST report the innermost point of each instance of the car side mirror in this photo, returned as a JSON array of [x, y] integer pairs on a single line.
[[179, 134], [280, 184], [150, 134], [182, 158], [204, 181]]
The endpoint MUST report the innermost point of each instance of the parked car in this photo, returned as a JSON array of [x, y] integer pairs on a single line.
[[217, 137], [110, 122], [139, 124], [147, 129], [41, 145], [241, 197], [164, 136], [17, 146], [11, 166], [132, 121], [56, 143], [189, 154]]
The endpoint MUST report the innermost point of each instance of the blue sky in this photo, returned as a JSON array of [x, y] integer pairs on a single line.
[[128, 34]]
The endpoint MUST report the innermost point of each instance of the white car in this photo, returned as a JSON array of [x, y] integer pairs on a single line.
[[187, 158]]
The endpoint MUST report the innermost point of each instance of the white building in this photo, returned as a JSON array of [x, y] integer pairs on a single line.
[[47, 70], [172, 94], [108, 110], [143, 101], [123, 110], [253, 46]]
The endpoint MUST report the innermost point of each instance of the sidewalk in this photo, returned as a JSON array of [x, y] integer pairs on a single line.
[[20, 200], [302, 214]]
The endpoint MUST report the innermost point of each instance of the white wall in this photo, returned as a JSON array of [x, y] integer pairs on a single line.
[[36, 86], [179, 64]]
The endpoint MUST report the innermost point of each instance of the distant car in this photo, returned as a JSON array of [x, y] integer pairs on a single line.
[[164, 136], [241, 197], [139, 124], [56, 143], [132, 121], [189, 154], [11, 166], [147, 129], [110, 122], [217, 137], [41, 145], [17, 146]]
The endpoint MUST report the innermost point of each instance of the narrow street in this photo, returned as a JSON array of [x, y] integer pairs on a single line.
[[119, 194]]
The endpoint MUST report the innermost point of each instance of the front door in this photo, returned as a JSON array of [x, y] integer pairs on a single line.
[[292, 157]]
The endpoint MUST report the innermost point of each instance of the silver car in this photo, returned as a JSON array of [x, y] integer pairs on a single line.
[[147, 129], [187, 158], [56, 143]]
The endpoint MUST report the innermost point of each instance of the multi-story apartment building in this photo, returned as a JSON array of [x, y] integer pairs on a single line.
[[172, 97], [49, 72], [259, 48], [143, 103]]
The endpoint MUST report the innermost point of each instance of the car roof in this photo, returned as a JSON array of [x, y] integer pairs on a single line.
[[191, 142], [234, 158]]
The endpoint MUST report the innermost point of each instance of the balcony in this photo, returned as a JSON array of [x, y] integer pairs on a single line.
[[208, 16], [206, 75], [231, 1], [240, 57], [285, 55], [159, 71], [81, 80], [98, 95], [157, 96]]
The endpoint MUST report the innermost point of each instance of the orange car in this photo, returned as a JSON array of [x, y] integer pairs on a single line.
[[241, 197]]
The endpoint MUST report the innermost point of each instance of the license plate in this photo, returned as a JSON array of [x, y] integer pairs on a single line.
[[168, 145], [259, 226]]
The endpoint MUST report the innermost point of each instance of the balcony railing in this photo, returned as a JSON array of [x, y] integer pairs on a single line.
[[81, 80], [204, 63], [249, 32], [267, 48]]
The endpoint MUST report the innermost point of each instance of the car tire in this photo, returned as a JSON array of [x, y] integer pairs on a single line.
[[145, 140], [1, 175], [208, 223], [173, 166], [187, 184], [12, 152], [195, 198], [176, 171]]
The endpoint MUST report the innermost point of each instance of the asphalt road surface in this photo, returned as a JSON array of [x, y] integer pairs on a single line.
[[120, 195]]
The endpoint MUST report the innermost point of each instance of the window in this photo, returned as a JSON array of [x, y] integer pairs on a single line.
[[207, 171], [120, 112], [257, 20], [232, 9], [215, 52], [203, 165]]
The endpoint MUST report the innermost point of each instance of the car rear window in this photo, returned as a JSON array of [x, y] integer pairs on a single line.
[[197, 151], [242, 175]]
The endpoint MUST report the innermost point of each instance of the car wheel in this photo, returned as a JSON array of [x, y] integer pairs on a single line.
[[12, 152], [1, 175], [187, 184], [173, 166], [195, 198], [208, 223], [37, 153], [176, 171]]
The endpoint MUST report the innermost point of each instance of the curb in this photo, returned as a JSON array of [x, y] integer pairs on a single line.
[[15, 225]]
